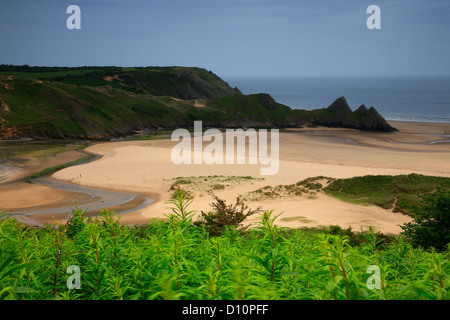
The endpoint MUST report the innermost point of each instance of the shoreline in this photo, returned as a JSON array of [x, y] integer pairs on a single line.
[[420, 121], [421, 126], [133, 174], [40, 178]]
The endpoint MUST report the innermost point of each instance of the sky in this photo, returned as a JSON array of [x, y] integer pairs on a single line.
[[233, 37]]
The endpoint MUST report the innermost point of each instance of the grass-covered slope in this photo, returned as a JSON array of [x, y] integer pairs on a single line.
[[53, 109], [179, 82], [253, 110], [103, 102], [400, 193]]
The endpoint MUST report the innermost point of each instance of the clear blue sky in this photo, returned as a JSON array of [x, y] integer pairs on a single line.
[[233, 37]]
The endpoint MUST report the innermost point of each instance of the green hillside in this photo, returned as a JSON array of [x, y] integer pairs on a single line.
[[105, 102], [179, 82]]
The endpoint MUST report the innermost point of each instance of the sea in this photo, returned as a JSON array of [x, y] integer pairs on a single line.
[[422, 99]]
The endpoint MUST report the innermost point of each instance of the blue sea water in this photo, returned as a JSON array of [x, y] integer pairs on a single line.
[[424, 99]]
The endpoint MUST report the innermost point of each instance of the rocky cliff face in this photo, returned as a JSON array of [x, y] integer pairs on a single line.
[[339, 114]]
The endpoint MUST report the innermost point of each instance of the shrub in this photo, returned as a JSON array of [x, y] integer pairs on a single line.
[[222, 216], [431, 225]]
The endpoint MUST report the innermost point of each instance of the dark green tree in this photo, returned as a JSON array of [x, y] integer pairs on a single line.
[[431, 224]]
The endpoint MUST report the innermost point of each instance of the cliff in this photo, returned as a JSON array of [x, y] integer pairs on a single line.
[[105, 102], [339, 114]]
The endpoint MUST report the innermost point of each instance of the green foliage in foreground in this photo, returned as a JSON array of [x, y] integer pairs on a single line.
[[176, 260]]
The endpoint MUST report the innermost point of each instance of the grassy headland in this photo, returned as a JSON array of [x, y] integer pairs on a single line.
[[105, 102]]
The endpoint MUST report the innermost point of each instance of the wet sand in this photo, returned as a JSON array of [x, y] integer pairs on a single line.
[[47, 200]]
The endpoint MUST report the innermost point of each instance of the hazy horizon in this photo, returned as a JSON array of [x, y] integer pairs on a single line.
[[261, 38]]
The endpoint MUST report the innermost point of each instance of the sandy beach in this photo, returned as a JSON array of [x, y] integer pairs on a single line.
[[145, 167]]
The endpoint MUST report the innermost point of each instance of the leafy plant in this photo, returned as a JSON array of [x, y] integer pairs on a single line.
[[431, 225], [175, 259], [272, 241], [180, 201]]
